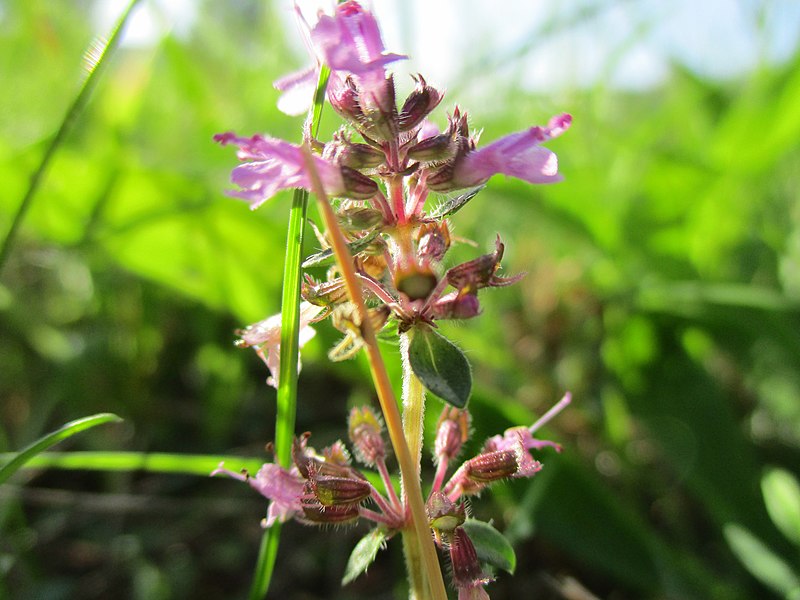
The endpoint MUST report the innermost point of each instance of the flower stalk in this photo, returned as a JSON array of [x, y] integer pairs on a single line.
[[408, 469]]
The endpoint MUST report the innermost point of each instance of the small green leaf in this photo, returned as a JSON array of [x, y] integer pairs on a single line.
[[453, 205], [782, 497], [326, 256], [51, 439], [364, 554], [491, 546], [440, 366], [762, 562]]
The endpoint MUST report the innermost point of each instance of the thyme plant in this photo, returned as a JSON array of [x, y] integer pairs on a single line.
[[376, 180]]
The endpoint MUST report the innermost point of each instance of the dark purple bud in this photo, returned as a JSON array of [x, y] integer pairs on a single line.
[[344, 100], [456, 305], [418, 105], [358, 186], [492, 466], [467, 572], [337, 491], [315, 513], [437, 148], [480, 272]]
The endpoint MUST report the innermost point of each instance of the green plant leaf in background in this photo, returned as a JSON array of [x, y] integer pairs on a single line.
[[782, 497], [441, 366], [42, 444], [762, 562]]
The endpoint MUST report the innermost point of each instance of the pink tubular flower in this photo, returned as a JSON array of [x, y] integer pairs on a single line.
[[276, 165], [284, 489], [265, 337], [516, 155], [349, 42]]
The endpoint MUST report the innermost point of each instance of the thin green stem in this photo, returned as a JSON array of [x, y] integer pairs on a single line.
[[290, 349], [420, 529], [101, 52]]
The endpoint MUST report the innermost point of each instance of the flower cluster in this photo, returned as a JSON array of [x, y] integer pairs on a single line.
[[324, 488], [382, 166]]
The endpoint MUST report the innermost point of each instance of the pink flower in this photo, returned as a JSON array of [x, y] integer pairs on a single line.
[[515, 436], [265, 337], [349, 42], [284, 489], [275, 165], [517, 155]]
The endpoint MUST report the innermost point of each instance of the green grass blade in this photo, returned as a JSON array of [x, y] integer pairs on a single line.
[[290, 330], [42, 444], [75, 109], [152, 462]]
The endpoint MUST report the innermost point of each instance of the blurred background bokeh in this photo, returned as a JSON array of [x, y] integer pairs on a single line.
[[662, 289]]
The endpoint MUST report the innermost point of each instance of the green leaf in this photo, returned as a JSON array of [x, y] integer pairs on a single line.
[[453, 205], [364, 554], [782, 497], [440, 366], [52, 439], [326, 256], [491, 546], [762, 562]]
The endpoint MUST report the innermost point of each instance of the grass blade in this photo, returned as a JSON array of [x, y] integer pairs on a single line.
[[152, 462], [102, 52], [42, 444], [290, 329]]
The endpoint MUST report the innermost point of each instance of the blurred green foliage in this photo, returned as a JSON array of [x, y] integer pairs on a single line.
[[662, 289]]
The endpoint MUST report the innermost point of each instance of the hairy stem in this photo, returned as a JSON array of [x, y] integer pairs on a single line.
[[413, 414], [383, 387]]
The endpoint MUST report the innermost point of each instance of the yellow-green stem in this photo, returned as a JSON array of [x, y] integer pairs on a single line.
[[383, 387], [413, 414]]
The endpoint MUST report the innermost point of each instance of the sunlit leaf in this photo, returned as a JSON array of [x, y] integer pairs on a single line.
[[364, 554]]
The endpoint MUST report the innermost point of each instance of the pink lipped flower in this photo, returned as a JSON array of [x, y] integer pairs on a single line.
[[350, 43], [274, 165], [265, 338], [283, 488], [517, 155]]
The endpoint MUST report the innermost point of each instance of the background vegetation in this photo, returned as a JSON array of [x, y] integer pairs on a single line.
[[663, 290]]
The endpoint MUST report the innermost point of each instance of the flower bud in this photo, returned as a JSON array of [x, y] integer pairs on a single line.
[[315, 513], [358, 186], [443, 514], [480, 272], [418, 105], [354, 155], [451, 433], [456, 305], [436, 148], [337, 491], [433, 241], [365, 431], [344, 100], [492, 466], [467, 572], [358, 218]]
